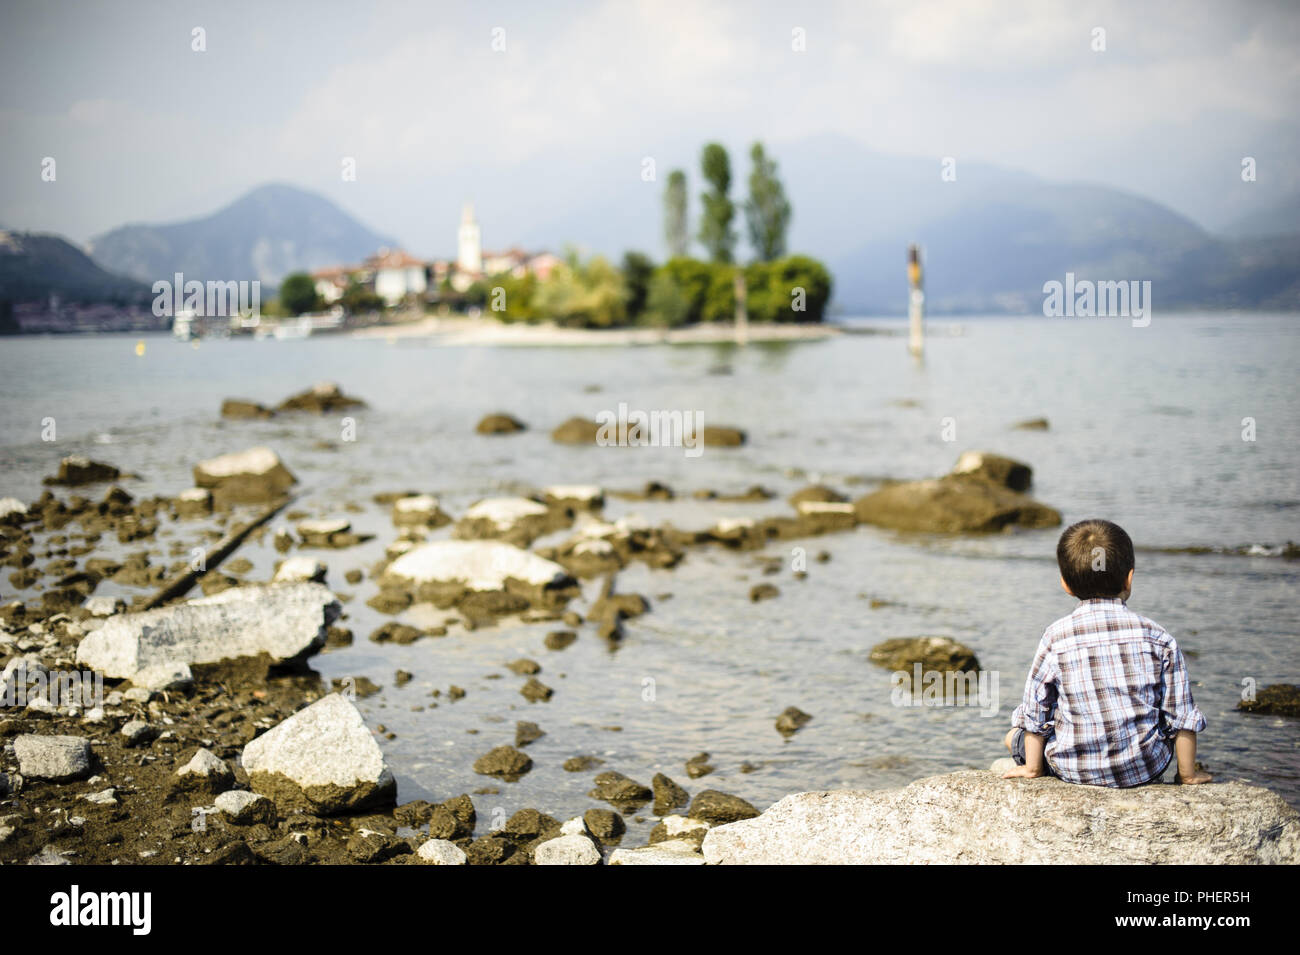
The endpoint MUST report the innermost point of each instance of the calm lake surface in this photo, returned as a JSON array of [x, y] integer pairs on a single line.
[[1146, 429]]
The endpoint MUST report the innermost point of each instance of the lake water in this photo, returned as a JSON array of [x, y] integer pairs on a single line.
[[1146, 429]]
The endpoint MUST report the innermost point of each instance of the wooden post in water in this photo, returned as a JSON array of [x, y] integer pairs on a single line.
[[916, 303], [742, 315]]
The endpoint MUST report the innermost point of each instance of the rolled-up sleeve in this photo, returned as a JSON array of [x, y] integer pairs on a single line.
[[1037, 710], [1177, 708]]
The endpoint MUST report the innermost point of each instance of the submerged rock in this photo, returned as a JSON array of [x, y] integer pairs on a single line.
[[322, 760], [242, 409], [321, 398], [953, 504], [283, 622], [1281, 699], [791, 720], [76, 469], [244, 477], [980, 818], [933, 653], [576, 431], [505, 761], [500, 424], [620, 791], [1032, 424], [993, 467]]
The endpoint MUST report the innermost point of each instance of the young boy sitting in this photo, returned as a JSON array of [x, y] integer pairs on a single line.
[[1107, 702]]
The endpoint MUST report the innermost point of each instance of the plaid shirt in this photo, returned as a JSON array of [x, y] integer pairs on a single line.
[[1109, 690]]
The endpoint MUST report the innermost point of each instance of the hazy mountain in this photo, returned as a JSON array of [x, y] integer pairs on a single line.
[[1280, 218], [34, 266], [267, 234]]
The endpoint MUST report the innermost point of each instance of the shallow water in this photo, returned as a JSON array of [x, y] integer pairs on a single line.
[[1146, 429]]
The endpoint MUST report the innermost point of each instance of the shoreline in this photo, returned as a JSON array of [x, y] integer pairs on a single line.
[[462, 332]]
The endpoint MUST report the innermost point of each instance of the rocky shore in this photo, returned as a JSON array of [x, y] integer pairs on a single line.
[[184, 725]]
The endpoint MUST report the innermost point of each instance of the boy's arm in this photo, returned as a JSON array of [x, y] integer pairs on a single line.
[[1036, 712], [1182, 717], [1185, 749]]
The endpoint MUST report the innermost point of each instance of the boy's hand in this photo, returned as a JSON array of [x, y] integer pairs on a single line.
[[1195, 779], [1023, 772]]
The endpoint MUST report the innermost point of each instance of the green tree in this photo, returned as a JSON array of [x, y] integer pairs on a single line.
[[298, 294], [357, 299], [583, 294], [767, 211], [676, 225], [716, 234], [637, 271]]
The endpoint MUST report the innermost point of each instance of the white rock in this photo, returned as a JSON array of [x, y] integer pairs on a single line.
[[670, 852], [576, 826], [163, 676], [322, 758], [324, 527], [825, 507], [105, 797], [586, 495], [478, 565], [505, 512], [301, 569], [242, 807], [284, 621], [680, 825], [257, 461], [11, 506], [567, 850], [977, 817], [441, 852], [104, 606], [57, 758], [206, 765], [418, 509]]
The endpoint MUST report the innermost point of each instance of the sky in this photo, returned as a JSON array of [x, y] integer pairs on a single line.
[[438, 102]]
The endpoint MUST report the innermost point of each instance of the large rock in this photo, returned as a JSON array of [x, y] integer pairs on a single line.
[[244, 477], [957, 503], [284, 622], [576, 431], [1281, 699], [994, 467], [322, 760], [56, 758], [980, 818], [491, 575]]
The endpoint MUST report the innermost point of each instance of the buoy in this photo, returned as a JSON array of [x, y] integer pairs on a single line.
[[139, 348]]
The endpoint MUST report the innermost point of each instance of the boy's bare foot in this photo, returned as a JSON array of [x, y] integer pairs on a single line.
[[1195, 779], [1023, 772]]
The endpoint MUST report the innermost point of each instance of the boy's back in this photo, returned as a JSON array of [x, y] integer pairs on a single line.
[[1111, 686]]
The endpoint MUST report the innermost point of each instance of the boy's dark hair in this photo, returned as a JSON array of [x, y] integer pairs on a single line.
[[1095, 557]]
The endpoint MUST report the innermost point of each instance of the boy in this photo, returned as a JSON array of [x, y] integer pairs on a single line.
[[1107, 702]]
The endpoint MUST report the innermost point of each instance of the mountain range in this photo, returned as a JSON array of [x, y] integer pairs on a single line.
[[991, 237]]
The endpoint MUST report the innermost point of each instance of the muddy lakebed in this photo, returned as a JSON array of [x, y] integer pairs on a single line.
[[1137, 436]]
